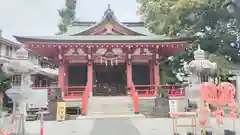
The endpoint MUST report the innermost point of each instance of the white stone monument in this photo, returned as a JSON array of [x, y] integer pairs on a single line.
[[199, 70], [177, 101]]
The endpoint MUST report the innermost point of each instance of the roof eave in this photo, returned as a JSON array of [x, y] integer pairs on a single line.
[[9, 42], [26, 40]]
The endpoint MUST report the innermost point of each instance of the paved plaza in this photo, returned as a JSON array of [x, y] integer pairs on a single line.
[[117, 126]]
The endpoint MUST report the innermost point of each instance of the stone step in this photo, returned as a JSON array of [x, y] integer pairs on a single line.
[[100, 116], [109, 108], [112, 112], [110, 105]]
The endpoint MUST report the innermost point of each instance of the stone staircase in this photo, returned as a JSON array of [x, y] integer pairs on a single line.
[[112, 106]]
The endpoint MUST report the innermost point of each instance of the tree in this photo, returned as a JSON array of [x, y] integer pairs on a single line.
[[67, 15], [212, 24], [5, 84]]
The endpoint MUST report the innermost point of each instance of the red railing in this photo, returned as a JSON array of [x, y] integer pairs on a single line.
[[70, 92], [134, 95], [146, 90], [74, 92], [152, 90], [85, 97], [176, 92]]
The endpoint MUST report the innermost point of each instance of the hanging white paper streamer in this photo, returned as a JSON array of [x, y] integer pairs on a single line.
[[101, 60], [116, 61], [106, 62], [111, 62]]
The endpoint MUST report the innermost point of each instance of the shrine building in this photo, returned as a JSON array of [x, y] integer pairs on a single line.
[[106, 58]]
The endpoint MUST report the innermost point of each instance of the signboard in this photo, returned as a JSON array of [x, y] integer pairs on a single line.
[[61, 111], [173, 105], [38, 99]]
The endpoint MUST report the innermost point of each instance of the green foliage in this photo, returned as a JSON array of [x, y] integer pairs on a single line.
[[222, 63], [215, 28], [67, 15], [5, 82]]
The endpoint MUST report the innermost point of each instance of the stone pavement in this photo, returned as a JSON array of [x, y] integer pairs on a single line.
[[116, 126]]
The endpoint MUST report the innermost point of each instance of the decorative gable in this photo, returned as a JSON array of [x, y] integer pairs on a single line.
[[109, 26]]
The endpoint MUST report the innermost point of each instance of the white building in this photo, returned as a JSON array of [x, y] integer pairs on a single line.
[[44, 79]]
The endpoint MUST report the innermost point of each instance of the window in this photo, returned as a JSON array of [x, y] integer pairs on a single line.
[[9, 51], [33, 79], [33, 58], [16, 80], [44, 65]]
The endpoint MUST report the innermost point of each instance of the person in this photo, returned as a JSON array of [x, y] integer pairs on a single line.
[[59, 99]]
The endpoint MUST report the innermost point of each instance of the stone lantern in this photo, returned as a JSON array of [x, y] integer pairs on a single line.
[[20, 65], [199, 70]]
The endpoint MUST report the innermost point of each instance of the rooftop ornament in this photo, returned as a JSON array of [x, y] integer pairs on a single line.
[[200, 64], [109, 14]]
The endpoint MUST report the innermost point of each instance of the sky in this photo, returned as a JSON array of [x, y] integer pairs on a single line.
[[40, 17]]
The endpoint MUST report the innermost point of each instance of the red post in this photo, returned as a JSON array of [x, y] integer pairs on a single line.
[[156, 76], [41, 124], [61, 76], [129, 73], [66, 77], [90, 75], [151, 73]]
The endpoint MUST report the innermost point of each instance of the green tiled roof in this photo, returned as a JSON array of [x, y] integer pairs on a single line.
[[102, 37], [72, 30], [81, 28], [96, 39]]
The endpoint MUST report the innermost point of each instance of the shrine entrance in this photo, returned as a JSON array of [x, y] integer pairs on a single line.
[[109, 80]]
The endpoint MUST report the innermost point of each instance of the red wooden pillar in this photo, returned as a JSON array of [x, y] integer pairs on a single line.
[[66, 76], [90, 76], [61, 76], [156, 74], [151, 79], [129, 73]]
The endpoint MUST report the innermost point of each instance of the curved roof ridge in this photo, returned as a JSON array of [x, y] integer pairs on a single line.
[[107, 17]]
